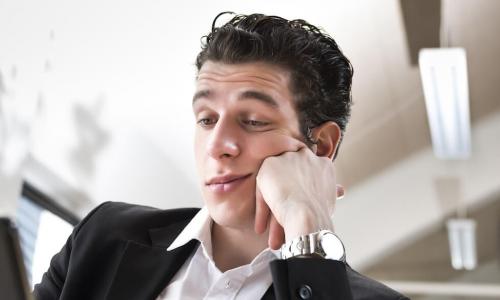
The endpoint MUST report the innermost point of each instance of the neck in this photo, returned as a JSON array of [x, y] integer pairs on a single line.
[[232, 247]]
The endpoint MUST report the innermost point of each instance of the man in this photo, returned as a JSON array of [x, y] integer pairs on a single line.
[[271, 104]]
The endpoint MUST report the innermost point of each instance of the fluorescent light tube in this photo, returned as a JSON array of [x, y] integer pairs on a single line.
[[446, 92], [462, 238]]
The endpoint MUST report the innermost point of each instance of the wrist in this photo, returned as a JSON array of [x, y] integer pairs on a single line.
[[304, 221]]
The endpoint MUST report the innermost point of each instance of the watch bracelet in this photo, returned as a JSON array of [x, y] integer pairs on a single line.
[[302, 246]]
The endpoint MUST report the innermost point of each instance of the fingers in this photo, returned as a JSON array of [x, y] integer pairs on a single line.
[[283, 142], [263, 218], [276, 234], [262, 212]]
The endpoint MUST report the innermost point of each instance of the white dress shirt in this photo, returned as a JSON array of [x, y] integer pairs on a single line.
[[199, 278]]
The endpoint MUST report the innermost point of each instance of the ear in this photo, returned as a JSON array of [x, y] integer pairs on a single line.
[[327, 137]]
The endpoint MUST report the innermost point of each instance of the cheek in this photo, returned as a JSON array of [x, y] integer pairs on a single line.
[[199, 149], [271, 144]]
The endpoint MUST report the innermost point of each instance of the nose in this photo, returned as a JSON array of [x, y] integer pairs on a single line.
[[223, 141]]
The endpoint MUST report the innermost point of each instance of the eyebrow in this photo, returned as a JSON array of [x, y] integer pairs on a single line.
[[246, 95], [201, 94], [255, 95]]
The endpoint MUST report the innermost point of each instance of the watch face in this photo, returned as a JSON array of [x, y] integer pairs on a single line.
[[332, 246]]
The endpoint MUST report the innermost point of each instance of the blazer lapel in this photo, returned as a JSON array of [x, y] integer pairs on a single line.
[[145, 270]]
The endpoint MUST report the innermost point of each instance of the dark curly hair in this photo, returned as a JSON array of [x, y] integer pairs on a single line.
[[321, 75]]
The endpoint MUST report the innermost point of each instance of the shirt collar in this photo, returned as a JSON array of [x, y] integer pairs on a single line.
[[199, 228]]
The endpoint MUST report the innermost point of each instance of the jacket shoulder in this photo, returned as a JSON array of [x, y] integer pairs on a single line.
[[364, 288], [112, 220]]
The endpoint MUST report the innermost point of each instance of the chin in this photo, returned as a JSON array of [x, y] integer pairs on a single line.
[[233, 212]]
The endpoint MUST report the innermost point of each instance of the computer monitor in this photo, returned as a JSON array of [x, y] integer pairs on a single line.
[[13, 282]]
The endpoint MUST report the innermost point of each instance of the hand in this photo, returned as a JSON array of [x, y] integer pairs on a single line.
[[295, 195]]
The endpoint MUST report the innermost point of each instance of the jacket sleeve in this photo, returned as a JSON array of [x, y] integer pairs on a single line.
[[52, 283], [310, 278]]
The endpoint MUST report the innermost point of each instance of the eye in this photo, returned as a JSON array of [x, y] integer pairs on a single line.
[[255, 123], [206, 122]]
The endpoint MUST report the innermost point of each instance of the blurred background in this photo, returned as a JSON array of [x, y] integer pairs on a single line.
[[95, 105]]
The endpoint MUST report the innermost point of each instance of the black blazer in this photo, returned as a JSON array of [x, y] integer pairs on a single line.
[[118, 251]]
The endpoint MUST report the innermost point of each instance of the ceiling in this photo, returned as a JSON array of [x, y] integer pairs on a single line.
[[389, 125], [427, 258], [389, 121]]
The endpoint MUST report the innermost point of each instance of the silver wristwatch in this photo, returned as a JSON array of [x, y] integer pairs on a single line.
[[323, 243]]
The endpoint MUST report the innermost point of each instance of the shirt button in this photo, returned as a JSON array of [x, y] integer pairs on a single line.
[[305, 292], [228, 284]]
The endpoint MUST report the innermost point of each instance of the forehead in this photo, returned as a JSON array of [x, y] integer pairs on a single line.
[[258, 74]]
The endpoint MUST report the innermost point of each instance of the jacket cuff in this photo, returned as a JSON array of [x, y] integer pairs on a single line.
[[310, 278]]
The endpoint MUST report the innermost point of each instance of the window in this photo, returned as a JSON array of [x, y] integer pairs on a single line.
[[44, 227]]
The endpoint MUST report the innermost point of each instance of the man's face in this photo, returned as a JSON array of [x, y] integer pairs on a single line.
[[244, 113]]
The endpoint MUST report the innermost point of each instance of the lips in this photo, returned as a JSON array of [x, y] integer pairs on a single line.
[[226, 183]]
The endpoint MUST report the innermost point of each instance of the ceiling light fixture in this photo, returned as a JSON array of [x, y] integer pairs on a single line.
[[444, 79], [462, 239]]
